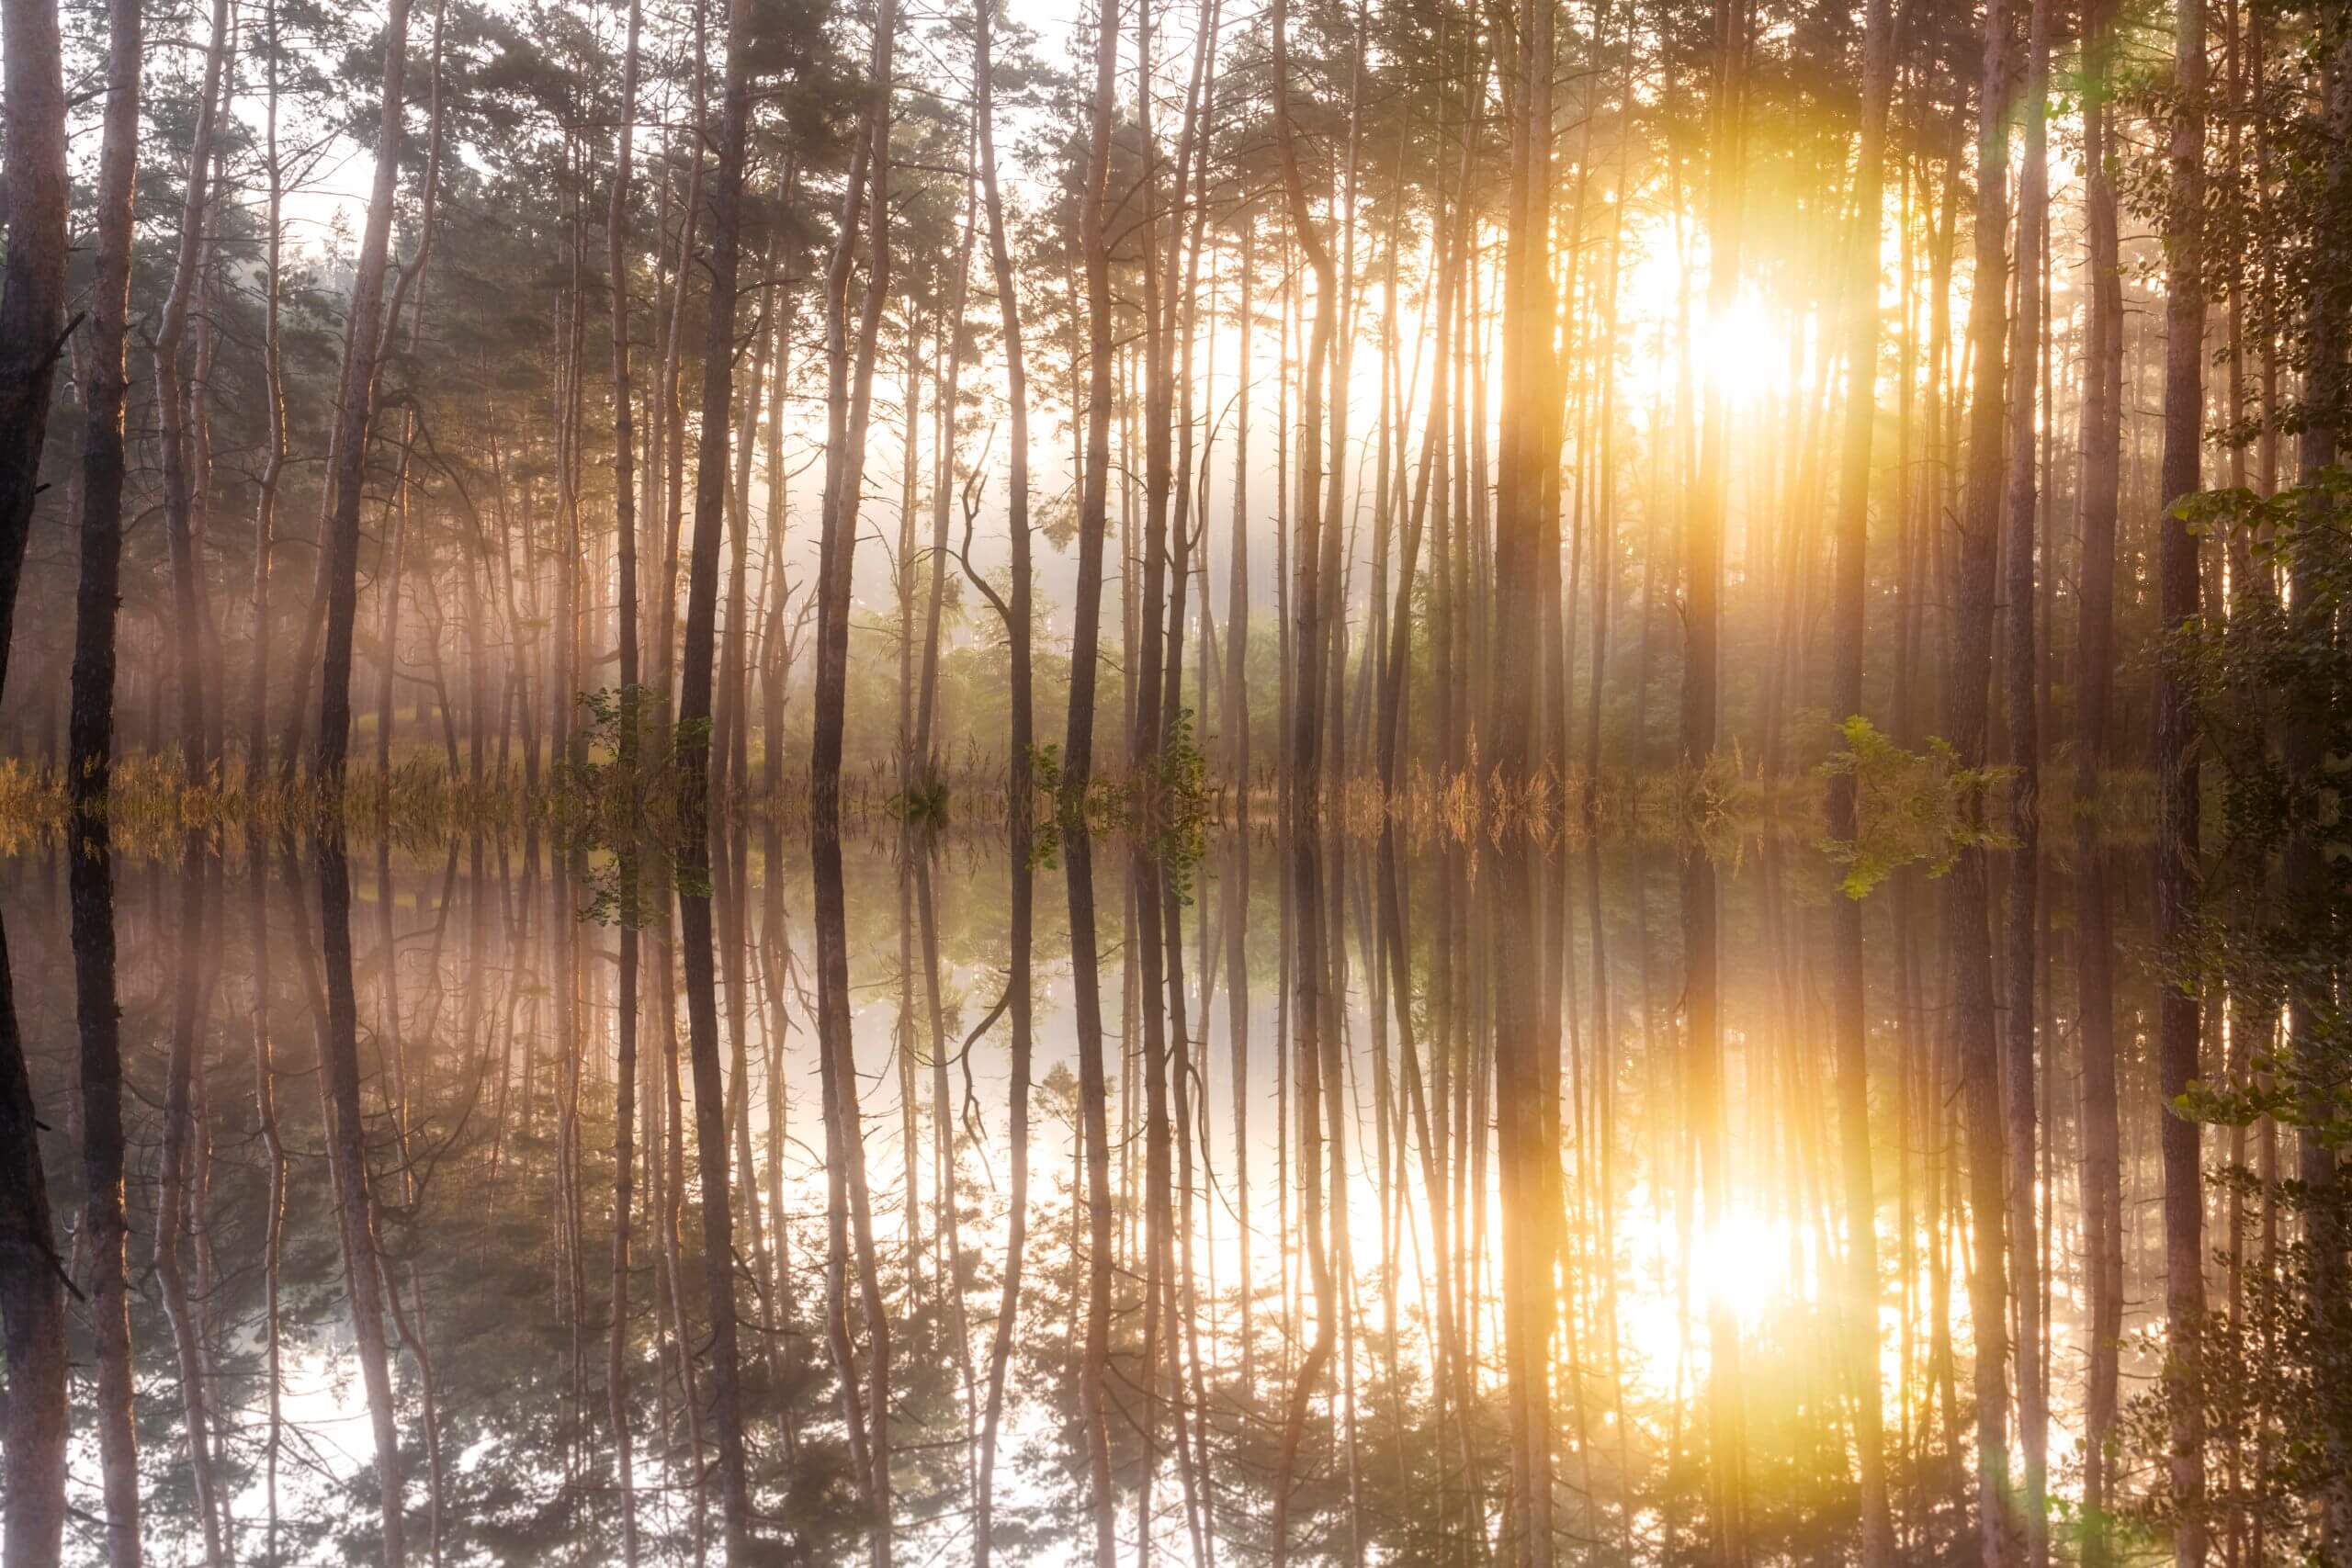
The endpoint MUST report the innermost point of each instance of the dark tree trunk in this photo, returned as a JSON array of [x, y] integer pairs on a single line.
[[1094, 1390], [717, 1211], [33, 197], [1094, 480], [849, 372], [1527, 479], [2102, 404], [172, 394], [711, 467], [1850, 1011], [91, 749], [2020, 672], [274, 455], [33, 1426], [2102, 1197], [2179, 1016], [339, 560], [353, 1188], [106, 1232]]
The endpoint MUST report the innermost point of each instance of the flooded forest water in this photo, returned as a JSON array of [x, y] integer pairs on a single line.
[[1297, 1310]]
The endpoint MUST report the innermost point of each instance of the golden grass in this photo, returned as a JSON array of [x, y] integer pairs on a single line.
[[155, 804]]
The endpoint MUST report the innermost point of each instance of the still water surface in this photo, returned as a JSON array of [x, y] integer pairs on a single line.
[[1336, 1209]]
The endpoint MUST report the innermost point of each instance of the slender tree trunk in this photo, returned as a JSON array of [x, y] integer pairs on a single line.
[[1527, 481], [105, 1231], [2102, 1197], [2102, 410], [353, 1189], [1093, 1392], [1848, 1001], [2020, 672], [848, 403], [625, 523], [273, 394], [91, 753], [2179, 1014], [177, 1197], [1094, 478], [338, 588], [711, 471], [718, 1210], [1704, 536]]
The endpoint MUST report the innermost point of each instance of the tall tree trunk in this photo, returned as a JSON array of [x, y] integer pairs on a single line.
[[1016, 377], [2102, 401], [711, 467], [848, 405], [2022, 696], [2179, 1016], [338, 588], [1849, 999], [33, 199], [274, 393], [625, 523], [1094, 478], [625, 1071], [1703, 527], [1312, 634], [91, 753], [173, 396], [1527, 477]]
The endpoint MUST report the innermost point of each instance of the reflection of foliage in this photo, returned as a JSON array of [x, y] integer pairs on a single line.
[[623, 810], [921, 804], [1911, 807], [2271, 683], [1180, 806], [2272, 1381], [2271, 1374]]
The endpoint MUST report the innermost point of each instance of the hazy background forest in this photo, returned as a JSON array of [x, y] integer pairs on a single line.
[[1248, 780]]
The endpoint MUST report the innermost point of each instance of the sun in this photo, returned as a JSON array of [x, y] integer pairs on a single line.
[[1740, 354]]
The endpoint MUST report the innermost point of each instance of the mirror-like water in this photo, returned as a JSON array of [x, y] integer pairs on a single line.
[[1335, 1201]]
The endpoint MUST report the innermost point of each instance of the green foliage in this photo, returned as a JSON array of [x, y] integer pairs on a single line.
[[2279, 664], [1181, 807], [922, 803], [1911, 807], [2271, 683]]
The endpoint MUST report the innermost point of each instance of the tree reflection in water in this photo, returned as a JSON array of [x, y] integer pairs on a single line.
[[1502, 1208]]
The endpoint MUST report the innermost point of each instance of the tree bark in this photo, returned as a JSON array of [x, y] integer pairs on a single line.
[[33, 197], [711, 467], [717, 1211], [848, 388], [2179, 1015], [339, 560], [354, 1186], [105, 1231], [2102, 402], [91, 747], [1849, 999]]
